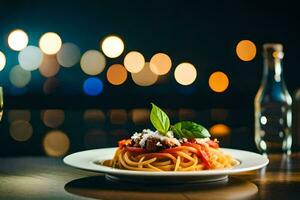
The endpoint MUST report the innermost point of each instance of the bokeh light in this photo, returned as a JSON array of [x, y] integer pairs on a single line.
[[112, 46], [185, 73], [50, 43], [92, 86], [145, 77], [92, 62], [218, 81], [140, 116], [116, 74], [50, 85], [94, 115], [30, 58], [2, 61], [134, 62], [19, 77], [56, 143], [118, 116], [17, 40], [53, 118], [219, 130], [20, 130], [49, 66], [68, 55], [15, 115], [160, 64], [246, 50]]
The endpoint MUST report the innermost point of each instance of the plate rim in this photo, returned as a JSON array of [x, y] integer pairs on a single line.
[[90, 166]]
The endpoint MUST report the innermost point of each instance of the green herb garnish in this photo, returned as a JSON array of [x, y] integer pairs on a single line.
[[184, 129], [159, 119]]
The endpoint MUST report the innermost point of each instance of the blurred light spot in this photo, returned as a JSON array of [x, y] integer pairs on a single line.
[[93, 86], [2, 61], [116, 74], [30, 58], [246, 50], [118, 116], [56, 143], [187, 114], [94, 115], [50, 85], [140, 116], [112, 46], [263, 120], [119, 132], [145, 77], [218, 81], [15, 115], [219, 130], [185, 73], [20, 130], [53, 118], [68, 55], [160, 64], [95, 138], [19, 77], [134, 62], [218, 114], [92, 62], [50, 43], [17, 40], [49, 66], [278, 54]]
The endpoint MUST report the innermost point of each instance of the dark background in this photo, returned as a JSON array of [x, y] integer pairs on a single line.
[[204, 33]]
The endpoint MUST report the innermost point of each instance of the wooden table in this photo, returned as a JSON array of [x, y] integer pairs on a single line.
[[49, 178]]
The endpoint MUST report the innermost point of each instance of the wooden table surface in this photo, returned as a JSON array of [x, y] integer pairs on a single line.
[[49, 178]]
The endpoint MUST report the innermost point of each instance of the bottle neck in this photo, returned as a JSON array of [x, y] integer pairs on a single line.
[[273, 69]]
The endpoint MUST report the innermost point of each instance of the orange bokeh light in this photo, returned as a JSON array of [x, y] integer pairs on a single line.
[[218, 81], [116, 74], [49, 66], [246, 50], [219, 130], [160, 64]]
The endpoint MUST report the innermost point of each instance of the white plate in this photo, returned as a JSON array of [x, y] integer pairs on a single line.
[[86, 160]]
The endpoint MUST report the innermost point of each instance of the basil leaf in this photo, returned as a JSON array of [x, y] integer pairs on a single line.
[[187, 129], [159, 119]]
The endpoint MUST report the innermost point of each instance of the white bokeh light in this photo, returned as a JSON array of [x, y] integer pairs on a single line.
[[68, 55], [17, 40], [30, 58], [112, 46], [2, 61], [50, 43], [185, 73], [92, 62], [19, 77]]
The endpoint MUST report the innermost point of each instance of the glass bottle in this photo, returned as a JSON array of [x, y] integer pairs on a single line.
[[273, 105], [1, 102]]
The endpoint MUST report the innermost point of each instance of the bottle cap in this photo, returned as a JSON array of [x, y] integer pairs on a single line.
[[273, 50], [273, 46]]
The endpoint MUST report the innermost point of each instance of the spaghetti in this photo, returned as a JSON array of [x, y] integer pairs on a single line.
[[189, 156]]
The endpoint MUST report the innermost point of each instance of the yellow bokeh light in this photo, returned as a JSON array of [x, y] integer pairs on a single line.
[[56, 143], [134, 61], [92, 62], [17, 40], [15, 115], [118, 116], [49, 66], [20, 130], [53, 118], [160, 64], [140, 116], [2, 61], [145, 77], [219, 130], [246, 50], [94, 115], [112, 46], [185, 73], [116, 74], [218, 81], [50, 43]]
